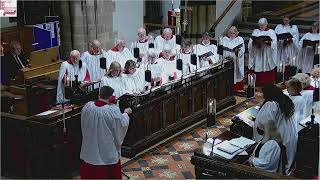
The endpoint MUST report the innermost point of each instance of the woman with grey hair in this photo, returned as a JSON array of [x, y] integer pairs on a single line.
[[263, 53]]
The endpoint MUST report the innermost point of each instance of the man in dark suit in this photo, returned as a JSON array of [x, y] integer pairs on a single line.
[[12, 62]]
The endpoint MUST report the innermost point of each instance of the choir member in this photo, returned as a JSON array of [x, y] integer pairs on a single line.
[[279, 109], [92, 59], [133, 78], [294, 88], [142, 42], [114, 79], [119, 53], [263, 53], [168, 39], [315, 77], [12, 62], [155, 66], [267, 154], [185, 55], [307, 90], [287, 47], [103, 128], [206, 51], [307, 51], [236, 47], [169, 63], [68, 71]]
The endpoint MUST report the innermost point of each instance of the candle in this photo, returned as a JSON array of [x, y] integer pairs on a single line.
[[210, 107], [214, 106]]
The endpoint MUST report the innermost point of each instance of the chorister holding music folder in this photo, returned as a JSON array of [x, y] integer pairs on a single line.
[[310, 43], [284, 36], [205, 55]]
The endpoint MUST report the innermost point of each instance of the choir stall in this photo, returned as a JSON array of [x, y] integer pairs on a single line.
[[47, 145]]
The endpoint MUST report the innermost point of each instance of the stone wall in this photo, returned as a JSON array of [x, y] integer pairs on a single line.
[[82, 21]]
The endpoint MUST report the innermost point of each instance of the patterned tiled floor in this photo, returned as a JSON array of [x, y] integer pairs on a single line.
[[172, 160]]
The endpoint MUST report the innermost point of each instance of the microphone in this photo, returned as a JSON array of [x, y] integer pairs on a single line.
[[193, 59], [178, 39], [136, 52], [179, 64], [103, 63], [220, 49], [147, 75], [151, 45], [80, 64]]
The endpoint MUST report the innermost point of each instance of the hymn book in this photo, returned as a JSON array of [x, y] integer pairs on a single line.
[[284, 36], [249, 115], [309, 43], [205, 55]]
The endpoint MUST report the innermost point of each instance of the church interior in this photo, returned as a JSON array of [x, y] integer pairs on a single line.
[[170, 89]]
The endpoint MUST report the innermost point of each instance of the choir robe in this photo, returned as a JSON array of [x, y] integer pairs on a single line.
[[299, 108], [117, 84], [157, 70], [291, 50], [270, 111], [201, 49], [70, 70], [134, 83], [263, 61], [186, 61], [308, 97], [143, 47], [160, 43], [238, 61], [93, 63], [120, 56], [306, 54], [170, 69], [269, 157], [103, 129]]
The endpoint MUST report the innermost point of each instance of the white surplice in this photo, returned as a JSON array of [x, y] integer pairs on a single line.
[[103, 131], [201, 49], [306, 54], [134, 83], [238, 60], [93, 63], [289, 51], [117, 84], [70, 70], [270, 111], [120, 56], [299, 108], [265, 58], [269, 157], [161, 43]]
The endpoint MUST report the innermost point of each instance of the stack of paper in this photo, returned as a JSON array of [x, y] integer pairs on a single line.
[[241, 142], [248, 115]]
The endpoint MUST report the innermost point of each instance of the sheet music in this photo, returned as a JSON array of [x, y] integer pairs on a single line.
[[241, 142], [46, 113], [248, 115]]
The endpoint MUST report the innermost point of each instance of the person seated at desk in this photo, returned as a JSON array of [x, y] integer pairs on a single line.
[[68, 71], [279, 108], [307, 90], [294, 89], [103, 128], [270, 153], [12, 62], [114, 79], [204, 48], [133, 78]]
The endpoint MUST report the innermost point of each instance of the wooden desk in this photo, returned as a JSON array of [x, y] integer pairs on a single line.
[[212, 167], [45, 152]]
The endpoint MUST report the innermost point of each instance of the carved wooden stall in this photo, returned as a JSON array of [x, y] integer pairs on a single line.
[[44, 151]]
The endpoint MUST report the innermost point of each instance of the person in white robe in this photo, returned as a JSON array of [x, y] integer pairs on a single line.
[[270, 157], [92, 59], [263, 54], [156, 67], [287, 48], [169, 63], [294, 89], [185, 55], [306, 54], [119, 53], [114, 79], [206, 47], [307, 91], [133, 78], [68, 70], [103, 128], [231, 41], [278, 108], [315, 82], [142, 42], [166, 39]]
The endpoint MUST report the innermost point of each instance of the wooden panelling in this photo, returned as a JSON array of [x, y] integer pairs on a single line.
[[170, 111]]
